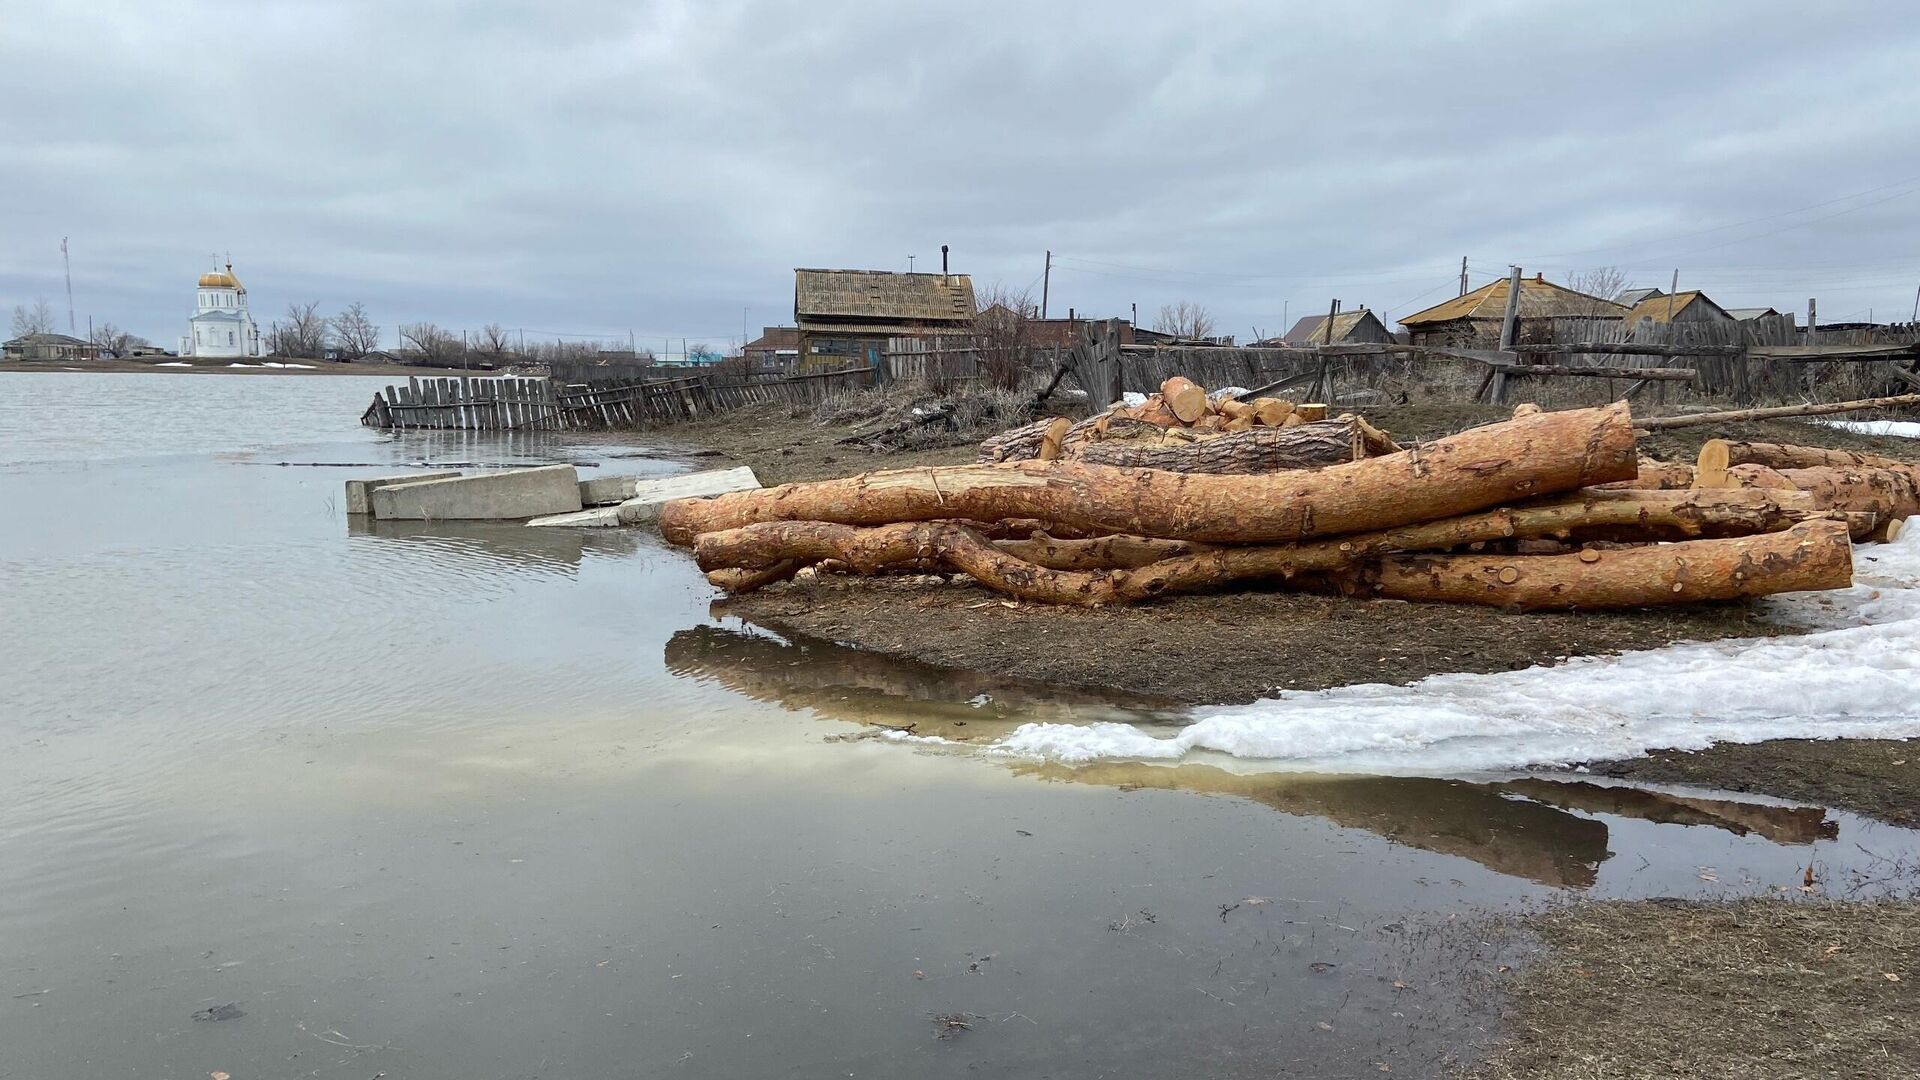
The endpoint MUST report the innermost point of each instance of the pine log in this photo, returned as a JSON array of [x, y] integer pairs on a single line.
[[1258, 450], [1668, 423], [1657, 476], [1185, 398], [1098, 553], [1653, 515], [1311, 412], [1239, 423], [1890, 494], [1019, 444], [1234, 410], [1526, 408], [1375, 442], [1477, 468], [1271, 411], [1809, 556], [1050, 438], [1717, 455]]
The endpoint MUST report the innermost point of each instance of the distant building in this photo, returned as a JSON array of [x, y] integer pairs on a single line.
[[1682, 307], [1053, 333], [1475, 318], [775, 345], [221, 324], [1634, 296], [1748, 314], [1349, 328], [49, 347], [845, 316]]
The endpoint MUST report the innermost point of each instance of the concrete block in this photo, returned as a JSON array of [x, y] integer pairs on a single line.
[[650, 495], [607, 490], [509, 494], [357, 489], [647, 495], [596, 517]]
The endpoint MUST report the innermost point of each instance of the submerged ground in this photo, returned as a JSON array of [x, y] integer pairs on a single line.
[[287, 795]]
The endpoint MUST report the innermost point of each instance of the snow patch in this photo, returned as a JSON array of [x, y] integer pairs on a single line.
[[1906, 429], [270, 363], [1857, 675], [174, 363], [1133, 399]]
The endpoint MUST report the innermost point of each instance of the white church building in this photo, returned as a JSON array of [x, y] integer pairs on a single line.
[[221, 324]]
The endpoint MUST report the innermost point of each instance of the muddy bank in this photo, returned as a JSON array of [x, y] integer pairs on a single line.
[[1876, 777], [1216, 649], [1753, 990]]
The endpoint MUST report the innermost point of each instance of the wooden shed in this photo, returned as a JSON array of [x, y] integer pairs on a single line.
[[848, 315], [1692, 306], [1358, 326]]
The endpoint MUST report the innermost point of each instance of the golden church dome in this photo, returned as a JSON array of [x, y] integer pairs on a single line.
[[221, 279]]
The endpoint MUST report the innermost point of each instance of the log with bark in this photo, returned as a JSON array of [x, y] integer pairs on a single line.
[[1018, 444], [1046, 571], [1891, 495], [1810, 556], [1255, 450], [1475, 469], [1658, 476], [1717, 455], [1668, 423]]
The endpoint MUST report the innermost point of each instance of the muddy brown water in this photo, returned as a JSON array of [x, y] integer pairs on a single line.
[[483, 801]]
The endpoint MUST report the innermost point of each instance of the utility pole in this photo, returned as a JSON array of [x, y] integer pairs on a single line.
[[1916, 306], [1671, 289], [1508, 322], [909, 264], [1136, 311], [1463, 275], [1046, 281], [68, 263], [1813, 326]]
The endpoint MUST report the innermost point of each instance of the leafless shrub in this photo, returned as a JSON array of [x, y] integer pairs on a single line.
[[302, 334], [434, 346], [109, 338], [1002, 336], [1184, 319], [353, 332]]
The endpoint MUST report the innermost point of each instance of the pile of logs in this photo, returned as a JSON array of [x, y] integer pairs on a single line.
[[1182, 429], [1546, 511]]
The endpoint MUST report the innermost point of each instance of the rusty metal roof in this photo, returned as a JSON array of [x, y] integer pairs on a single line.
[[1656, 307], [882, 294], [1539, 299]]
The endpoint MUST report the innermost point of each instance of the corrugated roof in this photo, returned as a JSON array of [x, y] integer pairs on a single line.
[[1745, 313], [1656, 307], [1539, 299], [1634, 296], [882, 294], [1312, 330]]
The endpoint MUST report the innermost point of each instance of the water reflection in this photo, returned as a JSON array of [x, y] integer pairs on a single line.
[[493, 543], [1543, 830]]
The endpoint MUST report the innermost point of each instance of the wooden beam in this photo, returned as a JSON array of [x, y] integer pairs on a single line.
[[1666, 423]]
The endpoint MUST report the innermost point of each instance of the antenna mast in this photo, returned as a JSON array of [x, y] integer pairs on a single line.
[[68, 264]]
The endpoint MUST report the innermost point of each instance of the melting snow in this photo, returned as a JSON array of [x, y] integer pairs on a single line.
[[1857, 675], [1906, 429]]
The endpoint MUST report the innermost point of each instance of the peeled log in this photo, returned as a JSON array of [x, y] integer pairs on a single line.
[[1056, 430], [1657, 476], [1256, 450], [1477, 468], [1717, 455], [1185, 398], [1652, 514], [1809, 556]]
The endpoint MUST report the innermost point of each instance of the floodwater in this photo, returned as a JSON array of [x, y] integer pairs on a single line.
[[483, 801]]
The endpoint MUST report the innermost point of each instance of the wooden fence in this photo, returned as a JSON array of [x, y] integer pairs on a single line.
[[522, 404]]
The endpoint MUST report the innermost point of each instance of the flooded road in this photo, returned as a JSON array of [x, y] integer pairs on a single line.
[[484, 801]]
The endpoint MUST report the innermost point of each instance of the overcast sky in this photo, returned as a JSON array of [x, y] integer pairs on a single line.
[[597, 168]]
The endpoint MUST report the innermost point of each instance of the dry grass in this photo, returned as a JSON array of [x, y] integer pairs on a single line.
[[1755, 990]]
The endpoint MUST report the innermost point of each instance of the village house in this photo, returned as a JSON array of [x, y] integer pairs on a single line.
[[1051, 333], [49, 347], [1355, 327], [1682, 307], [1749, 314], [1631, 297], [1475, 318], [776, 346], [846, 316]]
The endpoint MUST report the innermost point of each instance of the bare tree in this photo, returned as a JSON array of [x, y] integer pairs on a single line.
[[496, 342], [353, 332], [1002, 336], [436, 347], [109, 338], [1602, 283], [37, 319], [302, 334], [1185, 319]]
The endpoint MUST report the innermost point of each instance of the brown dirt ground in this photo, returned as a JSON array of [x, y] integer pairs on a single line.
[[1235, 647], [1758, 990]]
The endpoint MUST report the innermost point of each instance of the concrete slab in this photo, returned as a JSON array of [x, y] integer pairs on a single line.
[[597, 517], [642, 507], [607, 490], [506, 495], [357, 489], [650, 495]]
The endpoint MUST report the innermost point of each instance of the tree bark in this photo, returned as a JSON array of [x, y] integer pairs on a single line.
[[1475, 469], [1591, 513], [1257, 450], [1657, 476], [1717, 455], [1813, 555], [1891, 495], [1018, 444]]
